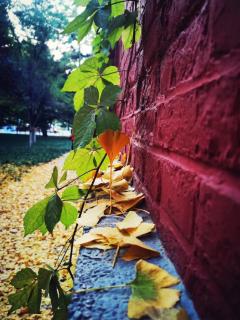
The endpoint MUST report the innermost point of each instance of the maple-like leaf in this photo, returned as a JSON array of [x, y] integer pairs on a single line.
[[150, 290], [112, 142], [131, 221]]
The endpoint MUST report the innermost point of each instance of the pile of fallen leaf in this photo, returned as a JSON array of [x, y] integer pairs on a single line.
[[17, 252]]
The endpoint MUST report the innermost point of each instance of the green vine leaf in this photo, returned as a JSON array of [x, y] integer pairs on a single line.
[[102, 16], [72, 193], [35, 299], [127, 35], [19, 299], [34, 217], [82, 160], [84, 29], [44, 278], [117, 7], [23, 278], [90, 74], [54, 179], [81, 2], [107, 120], [78, 100], [53, 212], [91, 96], [64, 177], [109, 95], [69, 214], [28, 293], [84, 126]]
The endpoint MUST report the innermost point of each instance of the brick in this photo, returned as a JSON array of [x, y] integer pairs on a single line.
[[188, 56], [178, 196], [206, 295], [203, 124], [217, 236], [224, 26]]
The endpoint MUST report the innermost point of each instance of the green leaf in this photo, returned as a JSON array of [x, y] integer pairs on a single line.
[[53, 293], [81, 2], [23, 278], [44, 278], [117, 7], [43, 229], [109, 95], [19, 299], [69, 214], [111, 74], [35, 299], [84, 126], [143, 287], [81, 160], [115, 36], [54, 179], [71, 193], [76, 23], [107, 120], [53, 212], [102, 16], [91, 96], [84, 29], [60, 314], [78, 99], [127, 35], [64, 177], [34, 217]]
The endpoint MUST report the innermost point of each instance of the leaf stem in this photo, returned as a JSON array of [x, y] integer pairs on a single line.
[[80, 213], [101, 288]]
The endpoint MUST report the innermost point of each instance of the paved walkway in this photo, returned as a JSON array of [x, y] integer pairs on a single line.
[[17, 252]]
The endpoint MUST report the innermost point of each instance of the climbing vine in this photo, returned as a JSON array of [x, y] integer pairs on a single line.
[[96, 84], [97, 142]]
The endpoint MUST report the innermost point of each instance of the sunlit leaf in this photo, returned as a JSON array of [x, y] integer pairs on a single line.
[[54, 179], [81, 160], [111, 74], [72, 193], [117, 7], [132, 220], [69, 214], [128, 33], [34, 217], [78, 99], [91, 216]]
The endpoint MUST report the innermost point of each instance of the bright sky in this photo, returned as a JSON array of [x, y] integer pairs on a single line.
[[57, 48]]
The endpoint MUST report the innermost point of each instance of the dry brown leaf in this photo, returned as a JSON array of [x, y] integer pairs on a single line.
[[91, 216], [131, 221]]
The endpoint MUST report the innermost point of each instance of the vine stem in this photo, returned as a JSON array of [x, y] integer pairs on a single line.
[[71, 241], [101, 288]]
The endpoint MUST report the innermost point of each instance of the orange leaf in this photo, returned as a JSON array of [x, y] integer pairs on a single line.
[[112, 142]]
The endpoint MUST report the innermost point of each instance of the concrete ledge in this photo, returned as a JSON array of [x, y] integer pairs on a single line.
[[94, 269]]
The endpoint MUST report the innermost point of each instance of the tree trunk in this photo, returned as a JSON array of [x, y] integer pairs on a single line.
[[44, 132], [32, 136]]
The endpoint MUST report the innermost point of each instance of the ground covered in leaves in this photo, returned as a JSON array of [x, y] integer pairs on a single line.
[[34, 250]]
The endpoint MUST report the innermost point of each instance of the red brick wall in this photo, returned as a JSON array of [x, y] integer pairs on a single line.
[[182, 109]]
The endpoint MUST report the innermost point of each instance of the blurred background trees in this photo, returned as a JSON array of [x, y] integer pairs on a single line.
[[31, 77]]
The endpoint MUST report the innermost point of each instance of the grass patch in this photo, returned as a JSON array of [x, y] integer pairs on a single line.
[[16, 157]]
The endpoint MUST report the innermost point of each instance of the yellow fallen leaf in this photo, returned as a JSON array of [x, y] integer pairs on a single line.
[[131, 221], [120, 186], [167, 314], [125, 205], [149, 290], [125, 173], [110, 237], [142, 229], [91, 216]]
